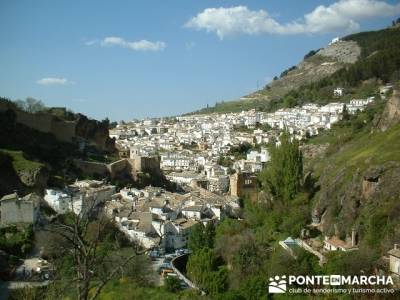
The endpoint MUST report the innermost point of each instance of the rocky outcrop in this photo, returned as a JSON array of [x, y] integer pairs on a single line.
[[342, 51], [95, 132], [26, 181], [343, 197], [36, 178], [312, 69], [370, 182], [311, 151], [391, 113]]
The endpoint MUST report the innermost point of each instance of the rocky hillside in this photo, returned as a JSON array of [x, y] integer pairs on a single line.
[[95, 132], [359, 63], [324, 62], [358, 176], [32, 157], [391, 114]]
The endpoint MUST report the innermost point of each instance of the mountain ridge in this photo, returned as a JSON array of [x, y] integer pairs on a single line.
[[319, 73]]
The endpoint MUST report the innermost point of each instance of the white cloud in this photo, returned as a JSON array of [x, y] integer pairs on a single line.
[[142, 45], [52, 81], [341, 16]]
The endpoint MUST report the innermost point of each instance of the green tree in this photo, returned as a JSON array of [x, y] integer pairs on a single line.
[[283, 176], [289, 101], [351, 263], [345, 115], [204, 269], [201, 237], [172, 284]]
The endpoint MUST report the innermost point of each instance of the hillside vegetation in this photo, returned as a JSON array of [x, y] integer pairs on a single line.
[[352, 185], [358, 178]]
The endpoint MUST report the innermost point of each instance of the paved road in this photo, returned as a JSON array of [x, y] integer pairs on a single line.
[[156, 264], [7, 286]]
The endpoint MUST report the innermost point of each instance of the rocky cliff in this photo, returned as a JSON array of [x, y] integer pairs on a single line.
[[391, 114], [95, 132], [358, 184]]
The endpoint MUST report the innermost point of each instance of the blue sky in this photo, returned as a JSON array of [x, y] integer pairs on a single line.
[[133, 59]]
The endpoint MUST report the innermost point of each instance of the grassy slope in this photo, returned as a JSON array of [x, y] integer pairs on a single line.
[[362, 150], [356, 143], [20, 162]]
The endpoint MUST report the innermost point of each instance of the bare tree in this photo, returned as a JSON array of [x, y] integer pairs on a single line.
[[84, 233]]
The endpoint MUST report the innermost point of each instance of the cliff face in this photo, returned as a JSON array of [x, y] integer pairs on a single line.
[[358, 185], [343, 201], [391, 114], [95, 132]]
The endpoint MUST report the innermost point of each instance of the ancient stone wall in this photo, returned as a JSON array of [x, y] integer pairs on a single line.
[[118, 167], [62, 130], [92, 168], [130, 167]]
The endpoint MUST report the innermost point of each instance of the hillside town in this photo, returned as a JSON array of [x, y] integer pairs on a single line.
[[208, 150], [188, 150], [213, 160], [200, 150]]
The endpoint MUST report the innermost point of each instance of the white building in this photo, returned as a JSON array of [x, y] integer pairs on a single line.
[[62, 202], [79, 197], [338, 92], [262, 156], [193, 212], [176, 233], [184, 178], [138, 227]]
